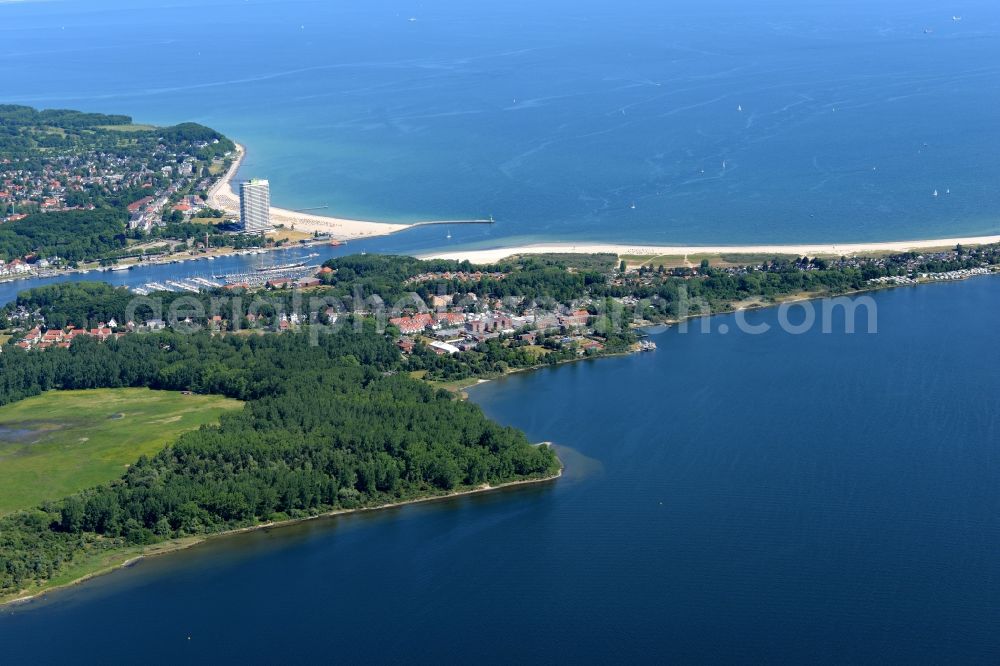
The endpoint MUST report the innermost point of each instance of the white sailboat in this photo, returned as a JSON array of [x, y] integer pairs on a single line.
[[935, 193]]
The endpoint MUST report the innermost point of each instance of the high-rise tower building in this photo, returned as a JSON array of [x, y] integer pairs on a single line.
[[255, 206]]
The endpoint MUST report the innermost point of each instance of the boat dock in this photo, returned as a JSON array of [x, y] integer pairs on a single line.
[[260, 278], [192, 285]]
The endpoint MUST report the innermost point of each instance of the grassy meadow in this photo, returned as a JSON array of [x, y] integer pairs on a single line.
[[61, 442]]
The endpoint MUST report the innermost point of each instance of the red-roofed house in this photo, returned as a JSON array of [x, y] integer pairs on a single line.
[[412, 325], [450, 318], [136, 205]]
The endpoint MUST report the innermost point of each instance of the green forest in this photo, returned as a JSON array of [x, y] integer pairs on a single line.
[[327, 426], [74, 235], [29, 135]]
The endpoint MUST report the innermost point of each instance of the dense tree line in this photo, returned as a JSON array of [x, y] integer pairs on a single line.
[[385, 276], [74, 235], [326, 426], [216, 233], [490, 358], [684, 291], [719, 290], [81, 304], [26, 135], [86, 304], [532, 278], [15, 115], [188, 133]]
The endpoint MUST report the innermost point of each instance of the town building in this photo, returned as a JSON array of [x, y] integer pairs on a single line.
[[255, 206]]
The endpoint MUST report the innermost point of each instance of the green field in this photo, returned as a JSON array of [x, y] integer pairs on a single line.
[[128, 128], [64, 441]]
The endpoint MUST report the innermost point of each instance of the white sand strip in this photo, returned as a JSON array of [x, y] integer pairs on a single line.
[[801, 250]]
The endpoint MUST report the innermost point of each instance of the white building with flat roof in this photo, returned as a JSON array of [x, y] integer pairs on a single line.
[[255, 206]]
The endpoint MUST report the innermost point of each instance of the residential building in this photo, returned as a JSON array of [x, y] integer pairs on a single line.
[[255, 206]]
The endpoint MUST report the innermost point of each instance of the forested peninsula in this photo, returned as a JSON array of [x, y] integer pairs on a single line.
[[327, 426]]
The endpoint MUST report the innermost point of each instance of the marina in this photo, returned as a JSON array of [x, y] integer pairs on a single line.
[[259, 278], [193, 285]]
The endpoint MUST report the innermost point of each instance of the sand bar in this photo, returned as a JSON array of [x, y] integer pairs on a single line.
[[800, 249]]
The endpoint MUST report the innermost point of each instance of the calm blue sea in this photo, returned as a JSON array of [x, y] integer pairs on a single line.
[[728, 498], [719, 120]]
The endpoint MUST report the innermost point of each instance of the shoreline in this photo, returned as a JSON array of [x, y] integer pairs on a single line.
[[189, 542], [184, 543], [622, 249], [221, 196]]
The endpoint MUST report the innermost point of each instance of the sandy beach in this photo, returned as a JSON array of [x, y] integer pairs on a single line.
[[809, 250], [223, 197]]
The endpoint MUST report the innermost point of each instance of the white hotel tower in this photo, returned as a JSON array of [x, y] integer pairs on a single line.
[[255, 206]]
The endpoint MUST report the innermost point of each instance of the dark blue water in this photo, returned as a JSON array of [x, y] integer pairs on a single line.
[[557, 116], [728, 498]]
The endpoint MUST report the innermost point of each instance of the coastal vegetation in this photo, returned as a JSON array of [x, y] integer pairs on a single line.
[[665, 294], [353, 416], [654, 293], [62, 442], [330, 426], [554, 279], [74, 235]]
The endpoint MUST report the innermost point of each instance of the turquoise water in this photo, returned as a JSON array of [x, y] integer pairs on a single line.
[[556, 117], [730, 498]]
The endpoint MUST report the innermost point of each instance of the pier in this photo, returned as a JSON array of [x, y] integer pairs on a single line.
[[428, 223]]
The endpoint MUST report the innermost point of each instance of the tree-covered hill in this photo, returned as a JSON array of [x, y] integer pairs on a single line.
[[67, 170]]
